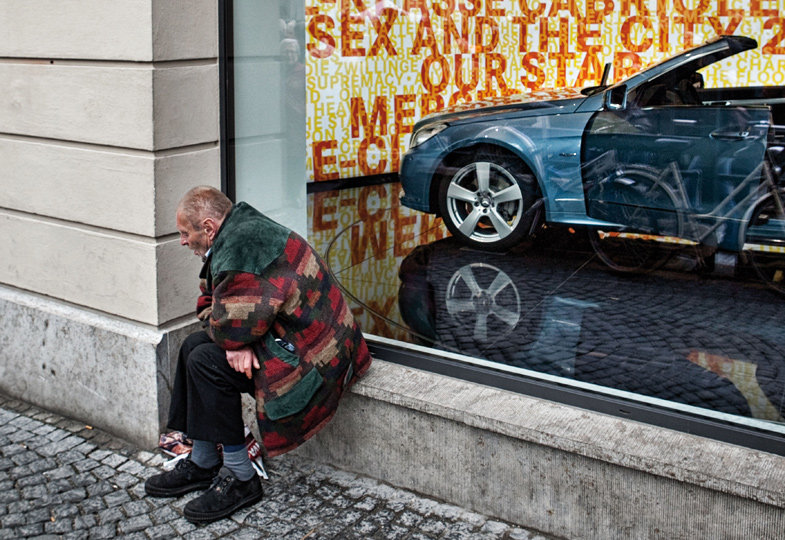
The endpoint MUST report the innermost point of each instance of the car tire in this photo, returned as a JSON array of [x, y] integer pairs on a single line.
[[489, 199], [646, 208], [764, 240]]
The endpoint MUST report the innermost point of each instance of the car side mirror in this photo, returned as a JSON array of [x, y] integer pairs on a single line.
[[616, 98]]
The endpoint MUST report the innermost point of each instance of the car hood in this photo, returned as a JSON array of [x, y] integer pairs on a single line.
[[541, 99]]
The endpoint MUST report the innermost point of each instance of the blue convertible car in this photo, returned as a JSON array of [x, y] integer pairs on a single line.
[[652, 164]]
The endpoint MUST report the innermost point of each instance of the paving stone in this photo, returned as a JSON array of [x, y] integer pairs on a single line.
[[112, 460], [85, 522], [8, 496], [20, 506], [19, 436], [125, 480], [102, 532], [460, 531], [367, 504], [116, 498], [26, 531], [279, 529], [60, 446], [86, 465], [63, 511], [494, 527], [99, 488], [246, 534], [131, 467], [342, 502], [432, 526], [59, 526], [221, 528], [85, 448], [103, 472], [135, 508], [392, 531], [198, 534], [58, 473], [409, 519], [160, 531], [7, 534], [110, 515], [100, 454], [38, 515], [12, 520], [134, 524], [164, 514], [34, 492], [366, 527], [182, 526], [24, 459]]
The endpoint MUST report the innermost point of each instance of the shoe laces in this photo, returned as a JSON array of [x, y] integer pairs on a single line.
[[222, 482], [183, 465]]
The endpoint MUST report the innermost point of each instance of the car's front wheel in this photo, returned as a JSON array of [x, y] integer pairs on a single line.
[[490, 200]]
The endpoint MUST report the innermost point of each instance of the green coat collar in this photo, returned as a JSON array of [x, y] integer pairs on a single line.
[[248, 241]]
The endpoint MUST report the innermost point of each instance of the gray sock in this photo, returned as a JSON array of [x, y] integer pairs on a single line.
[[205, 455], [238, 462]]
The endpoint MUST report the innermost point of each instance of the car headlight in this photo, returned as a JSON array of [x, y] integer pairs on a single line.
[[425, 133]]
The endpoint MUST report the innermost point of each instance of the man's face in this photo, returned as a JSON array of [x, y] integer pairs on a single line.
[[196, 239]]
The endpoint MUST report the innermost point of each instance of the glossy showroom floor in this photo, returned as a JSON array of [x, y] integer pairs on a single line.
[[715, 342]]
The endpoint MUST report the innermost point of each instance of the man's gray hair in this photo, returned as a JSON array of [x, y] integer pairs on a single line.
[[204, 202]]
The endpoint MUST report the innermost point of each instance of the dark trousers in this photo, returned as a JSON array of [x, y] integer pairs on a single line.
[[206, 395]]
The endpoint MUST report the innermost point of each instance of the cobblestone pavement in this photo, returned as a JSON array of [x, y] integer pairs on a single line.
[[62, 479]]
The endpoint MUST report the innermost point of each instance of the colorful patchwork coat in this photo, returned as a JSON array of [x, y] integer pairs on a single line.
[[262, 281]]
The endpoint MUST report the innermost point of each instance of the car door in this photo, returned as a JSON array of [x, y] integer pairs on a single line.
[[690, 166]]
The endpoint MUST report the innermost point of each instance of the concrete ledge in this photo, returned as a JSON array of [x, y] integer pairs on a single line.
[[105, 372], [558, 469]]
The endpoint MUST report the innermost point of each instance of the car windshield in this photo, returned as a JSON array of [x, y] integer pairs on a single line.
[[711, 53]]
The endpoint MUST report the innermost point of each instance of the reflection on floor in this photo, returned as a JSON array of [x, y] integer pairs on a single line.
[[714, 342]]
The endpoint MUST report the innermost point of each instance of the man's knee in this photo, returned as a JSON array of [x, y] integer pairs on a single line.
[[205, 358]]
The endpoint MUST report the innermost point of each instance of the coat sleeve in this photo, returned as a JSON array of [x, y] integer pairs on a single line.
[[244, 306]]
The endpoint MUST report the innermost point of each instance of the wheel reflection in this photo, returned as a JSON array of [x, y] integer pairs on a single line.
[[485, 298]]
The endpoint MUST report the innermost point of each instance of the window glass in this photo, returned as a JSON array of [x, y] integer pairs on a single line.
[[487, 192], [268, 93]]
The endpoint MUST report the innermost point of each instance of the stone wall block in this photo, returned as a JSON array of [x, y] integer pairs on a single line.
[[185, 106], [97, 186], [108, 272], [184, 30], [98, 104], [133, 30], [76, 29], [176, 173], [177, 280]]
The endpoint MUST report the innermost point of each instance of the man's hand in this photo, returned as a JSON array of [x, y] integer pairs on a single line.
[[243, 360]]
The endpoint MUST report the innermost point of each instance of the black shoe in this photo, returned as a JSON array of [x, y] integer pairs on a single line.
[[227, 495], [187, 476]]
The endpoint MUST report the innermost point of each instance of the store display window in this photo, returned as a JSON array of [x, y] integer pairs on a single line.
[[580, 201]]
